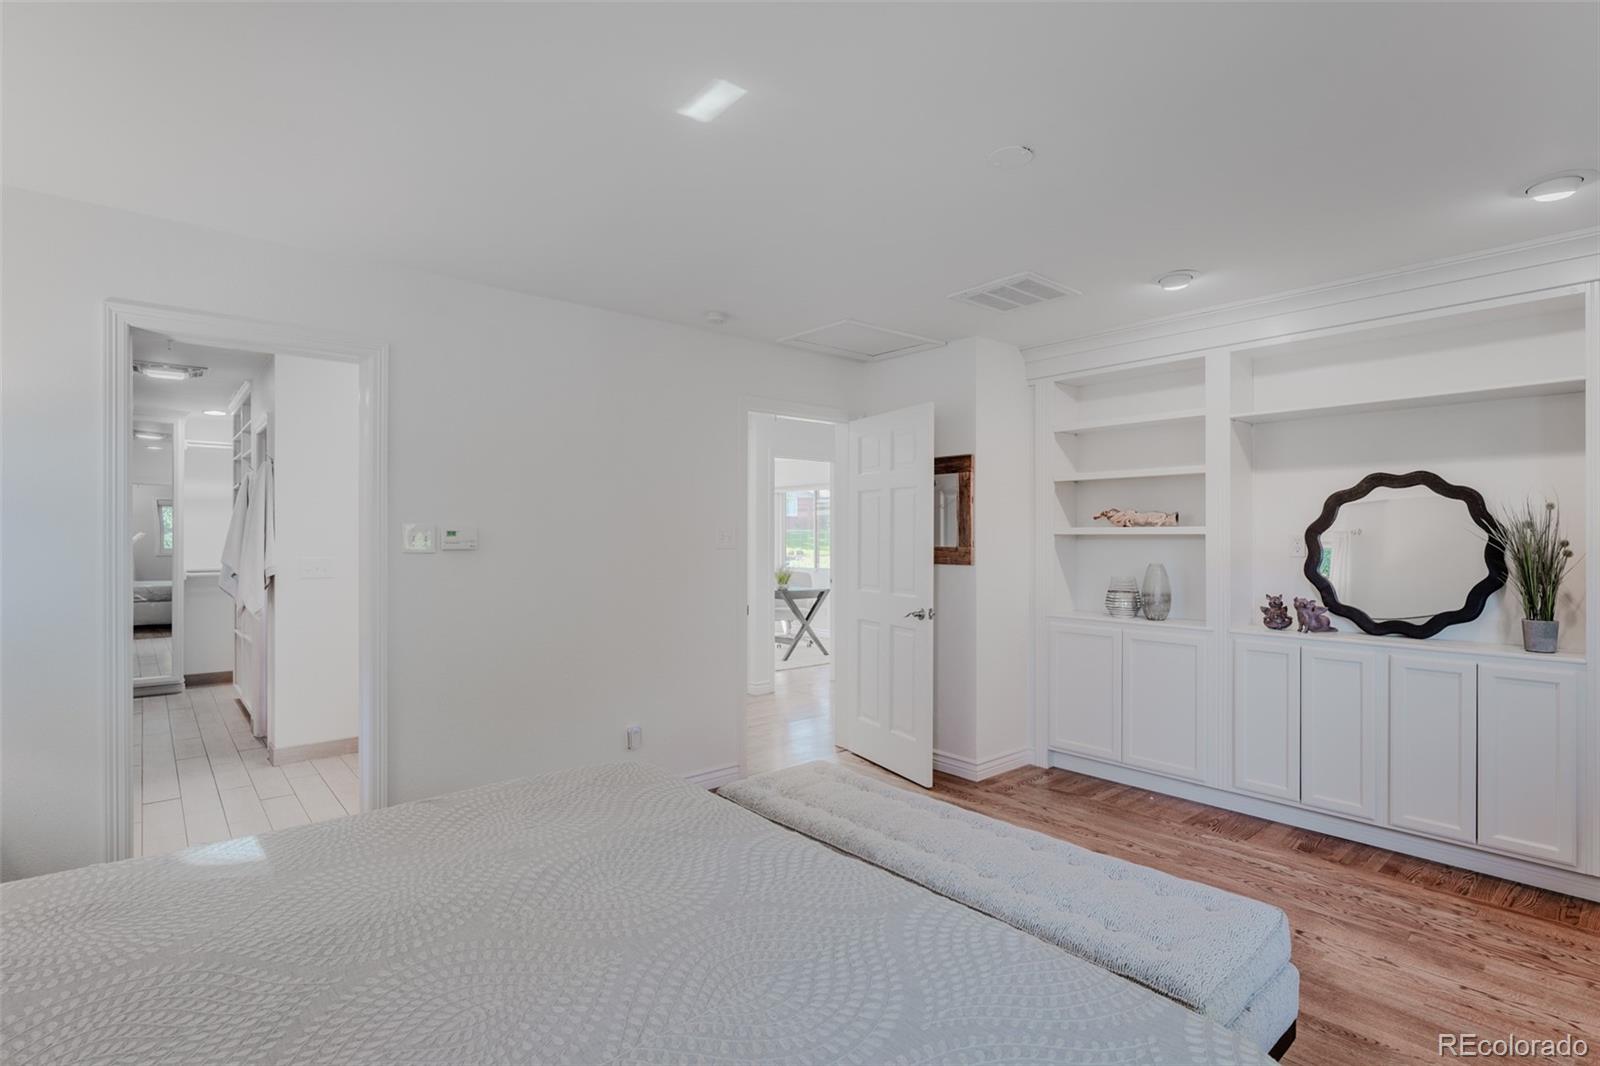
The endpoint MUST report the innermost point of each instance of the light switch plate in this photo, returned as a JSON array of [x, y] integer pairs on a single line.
[[316, 567], [416, 538], [724, 540], [459, 539]]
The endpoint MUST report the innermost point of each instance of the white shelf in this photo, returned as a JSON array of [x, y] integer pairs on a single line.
[[1195, 414], [1460, 647], [1132, 531], [1128, 475], [1550, 387], [1197, 624]]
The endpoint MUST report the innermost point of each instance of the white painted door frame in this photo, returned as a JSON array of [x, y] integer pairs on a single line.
[[248, 335], [757, 405]]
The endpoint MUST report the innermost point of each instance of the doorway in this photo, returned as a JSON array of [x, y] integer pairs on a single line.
[[788, 705], [208, 740]]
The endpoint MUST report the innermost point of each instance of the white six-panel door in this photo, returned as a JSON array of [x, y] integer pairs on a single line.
[[884, 558]]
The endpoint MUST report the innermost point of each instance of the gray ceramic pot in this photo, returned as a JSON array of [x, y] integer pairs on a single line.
[[1540, 636]]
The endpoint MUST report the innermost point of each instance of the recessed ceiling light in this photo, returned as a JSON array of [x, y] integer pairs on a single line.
[[717, 318], [144, 434], [1176, 279], [152, 447], [713, 100], [1558, 186], [1011, 157], [215, 414]]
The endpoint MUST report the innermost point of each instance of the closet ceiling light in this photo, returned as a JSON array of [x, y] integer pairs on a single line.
[[1011, 157], [713, 100], [1175, 280], [152, 447], [215, 414], [1557, 187], [168, 371], [143, 434]]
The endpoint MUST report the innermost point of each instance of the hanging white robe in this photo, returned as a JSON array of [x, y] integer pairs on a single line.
[[257, 561], [233, 544]]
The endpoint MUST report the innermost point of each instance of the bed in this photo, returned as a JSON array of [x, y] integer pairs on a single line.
[[152, 603], [612, 914]]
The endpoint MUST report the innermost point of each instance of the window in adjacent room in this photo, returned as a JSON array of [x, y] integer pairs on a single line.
[[164, 524]]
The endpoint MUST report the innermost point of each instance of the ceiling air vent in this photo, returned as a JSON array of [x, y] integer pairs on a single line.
[[858, 340], [1019, 290]]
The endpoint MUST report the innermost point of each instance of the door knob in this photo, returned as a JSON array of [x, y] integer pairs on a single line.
[[920, 614]]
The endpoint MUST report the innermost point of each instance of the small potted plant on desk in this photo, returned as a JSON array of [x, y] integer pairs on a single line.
[[1539, 558], [783, 574]]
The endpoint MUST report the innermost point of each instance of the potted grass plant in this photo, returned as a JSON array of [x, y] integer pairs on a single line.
[[782, 575], [1539, 559]]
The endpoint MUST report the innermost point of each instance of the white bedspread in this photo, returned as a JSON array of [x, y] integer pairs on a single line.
[[612, 915]]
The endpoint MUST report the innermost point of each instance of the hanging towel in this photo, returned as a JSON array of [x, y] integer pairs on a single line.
[[257, 556], [233, 544]]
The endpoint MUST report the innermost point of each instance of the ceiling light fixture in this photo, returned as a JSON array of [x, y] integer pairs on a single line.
[[1176, 279], [168, 371], [717, 318], [1559, 186], [713, 100], [152, 447], [215, 414], [145, 434], [1011, 157]]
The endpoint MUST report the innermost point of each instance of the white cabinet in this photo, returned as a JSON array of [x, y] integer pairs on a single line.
[[1433, 756], [1163, 692], [1085, 689], [1528, 760], [1266, 717], [1340, 707]]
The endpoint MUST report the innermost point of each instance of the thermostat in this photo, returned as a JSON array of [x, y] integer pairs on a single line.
[[460, 539]]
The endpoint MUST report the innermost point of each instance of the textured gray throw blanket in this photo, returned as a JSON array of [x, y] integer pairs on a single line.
[[1211, 950]]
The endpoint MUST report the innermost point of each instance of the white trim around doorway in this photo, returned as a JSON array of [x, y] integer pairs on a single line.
[[247, 335]]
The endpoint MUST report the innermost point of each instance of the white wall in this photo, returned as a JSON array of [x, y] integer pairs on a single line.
[[147, 564], [315, 428], [521, 415], [982, 407], [207, 505]]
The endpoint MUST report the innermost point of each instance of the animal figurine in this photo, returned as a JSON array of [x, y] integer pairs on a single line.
[[1119, 517], [1313, 616], [1275, 615]]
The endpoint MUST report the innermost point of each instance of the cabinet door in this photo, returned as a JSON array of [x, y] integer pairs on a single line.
[[1433, 734], [1528, 761], [1340, 700], [1085, 689], [1163, 691], [1266, 717]]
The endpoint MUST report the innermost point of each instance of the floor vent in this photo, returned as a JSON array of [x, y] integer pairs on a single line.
[[1019, 290], [859, 340]]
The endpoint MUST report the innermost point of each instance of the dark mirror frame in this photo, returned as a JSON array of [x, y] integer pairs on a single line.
[[957, 554], [1494, 558]]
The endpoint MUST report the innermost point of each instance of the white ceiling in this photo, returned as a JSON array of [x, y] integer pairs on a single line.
[[536, 147], [226, 370]]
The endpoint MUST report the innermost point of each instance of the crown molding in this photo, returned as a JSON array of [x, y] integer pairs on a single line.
[[1562, 259]]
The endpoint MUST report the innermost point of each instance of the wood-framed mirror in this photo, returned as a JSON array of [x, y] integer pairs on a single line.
[[1405, 554], [952, 510]]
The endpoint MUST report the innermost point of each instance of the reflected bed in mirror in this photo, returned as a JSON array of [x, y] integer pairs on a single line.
[[1404, 554]]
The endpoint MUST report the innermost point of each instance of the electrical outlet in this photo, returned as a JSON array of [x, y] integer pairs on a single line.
[[635, 737], [1297, 550], [724, 540]]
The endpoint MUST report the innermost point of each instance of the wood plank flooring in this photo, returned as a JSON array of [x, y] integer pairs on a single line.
[[200, 777], [792, 725], [1392, 950]]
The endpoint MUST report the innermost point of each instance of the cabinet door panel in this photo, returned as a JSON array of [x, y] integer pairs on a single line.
[[1340, 699], [1163, 691], [1528, 761], [1433, 734], [1085, 689], [1266, 718]]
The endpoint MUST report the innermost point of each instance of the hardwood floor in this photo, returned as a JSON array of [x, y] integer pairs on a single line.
[[792, 725], [200, 777], [1392, 950]]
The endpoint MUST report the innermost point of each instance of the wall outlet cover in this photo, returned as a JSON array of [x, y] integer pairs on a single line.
[[635, 737], [416, 538]]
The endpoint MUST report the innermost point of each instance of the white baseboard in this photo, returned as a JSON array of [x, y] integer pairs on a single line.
[[715, 777], [981, 769], [1572, 882], [322, 750], [760, 688]]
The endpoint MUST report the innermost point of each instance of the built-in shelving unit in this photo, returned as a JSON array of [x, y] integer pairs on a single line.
[[1463, 748]]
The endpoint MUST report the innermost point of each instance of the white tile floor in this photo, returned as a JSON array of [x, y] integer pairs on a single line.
[[152, 652], [200, 777]]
